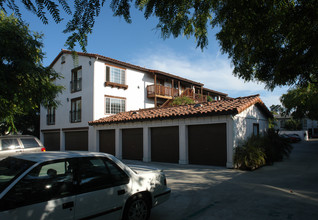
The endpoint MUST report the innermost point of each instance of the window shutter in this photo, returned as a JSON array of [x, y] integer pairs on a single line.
[[107, 73]]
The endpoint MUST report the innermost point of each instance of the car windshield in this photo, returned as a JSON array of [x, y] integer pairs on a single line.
[[10, 169]]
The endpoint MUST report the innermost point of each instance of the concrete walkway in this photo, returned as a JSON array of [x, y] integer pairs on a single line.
[[286, 190]]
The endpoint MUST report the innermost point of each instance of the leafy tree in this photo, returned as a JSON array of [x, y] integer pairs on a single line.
[[25, 82], [293, 125], [27, 123], [277, 109], [271, 41], [302, 101]]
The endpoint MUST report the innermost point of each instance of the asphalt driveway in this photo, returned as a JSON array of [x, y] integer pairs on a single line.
[[286, 190]]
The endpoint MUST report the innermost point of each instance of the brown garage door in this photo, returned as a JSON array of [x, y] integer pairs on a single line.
[[52, 141], [132, 144], [107, 141], [76, 140], [207, 144], [165, 144]]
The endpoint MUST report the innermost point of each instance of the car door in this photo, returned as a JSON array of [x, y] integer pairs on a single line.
[[46, 192], [103, 189]]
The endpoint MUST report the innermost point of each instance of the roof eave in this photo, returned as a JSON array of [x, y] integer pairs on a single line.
[[208, 114], [124, 64]]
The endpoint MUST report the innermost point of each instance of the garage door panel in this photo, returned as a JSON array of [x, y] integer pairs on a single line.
[[52, 141], [107, 141], [165, 144], [132, 144], [77, 140], [207, 144]]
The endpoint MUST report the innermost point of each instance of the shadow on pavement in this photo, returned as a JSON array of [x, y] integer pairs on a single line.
[[285, 190]]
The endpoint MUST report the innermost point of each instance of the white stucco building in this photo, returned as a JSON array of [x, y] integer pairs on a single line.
[[308, 126], [205, 133], [98, 87]]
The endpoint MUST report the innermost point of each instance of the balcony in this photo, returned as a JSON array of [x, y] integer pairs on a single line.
[[76, 85], [161, 92], [200, 98]]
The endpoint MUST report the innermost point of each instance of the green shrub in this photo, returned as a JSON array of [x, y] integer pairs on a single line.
[[249, 155], [209, 99], [182, 100], [259, 150], [275, 147]]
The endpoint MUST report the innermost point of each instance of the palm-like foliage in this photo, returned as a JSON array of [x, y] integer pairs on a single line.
[[250, 155], [257, 151], [275, 147]]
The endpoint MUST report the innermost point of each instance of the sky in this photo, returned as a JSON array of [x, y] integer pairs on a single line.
[[140, 43]]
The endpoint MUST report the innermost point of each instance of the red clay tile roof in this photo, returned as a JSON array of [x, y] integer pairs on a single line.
[[124, 64], [222, 107]]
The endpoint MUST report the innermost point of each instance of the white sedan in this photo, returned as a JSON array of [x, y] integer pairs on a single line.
[[77, 185]]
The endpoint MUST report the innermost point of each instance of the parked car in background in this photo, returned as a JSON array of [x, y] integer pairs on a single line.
[[17, 144], [285, 136], [77, 185], [292, 138]]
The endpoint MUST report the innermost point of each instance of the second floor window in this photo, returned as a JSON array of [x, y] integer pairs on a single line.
[[114, 105], [115, 75], [76, 110], [50, 117], [76, 81]]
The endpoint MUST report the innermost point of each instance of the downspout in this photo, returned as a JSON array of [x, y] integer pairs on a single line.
[[94, 88], [233, 143], [155, 82]]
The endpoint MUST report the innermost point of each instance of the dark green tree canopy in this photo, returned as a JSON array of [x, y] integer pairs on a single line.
[[277, 109], [293, 125], [274, 42], [25, 82], [270, 41], [302, 101]]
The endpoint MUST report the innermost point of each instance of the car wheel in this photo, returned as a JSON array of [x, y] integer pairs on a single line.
[[137, 208]]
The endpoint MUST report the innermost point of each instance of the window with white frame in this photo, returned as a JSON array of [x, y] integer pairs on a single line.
[[115, 75], [114, 105]]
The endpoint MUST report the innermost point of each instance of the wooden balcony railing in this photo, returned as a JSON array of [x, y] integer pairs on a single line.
[[169, 93], [196, 97], [201, 98], [160, 90], [187, 92]]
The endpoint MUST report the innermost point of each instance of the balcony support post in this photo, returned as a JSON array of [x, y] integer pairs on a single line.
[[201, 94]]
